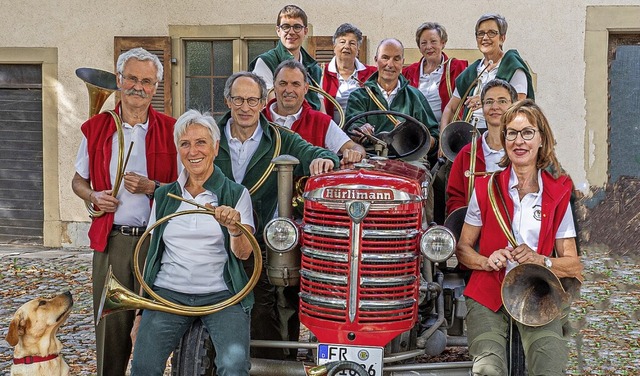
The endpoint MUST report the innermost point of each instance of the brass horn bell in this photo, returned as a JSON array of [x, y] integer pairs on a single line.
[[454, 137], [455, 221], [533, 295], [100, 84], [409, 141]]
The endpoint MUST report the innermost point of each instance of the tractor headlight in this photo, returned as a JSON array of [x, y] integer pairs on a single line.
[[281, 234], [438, 244]]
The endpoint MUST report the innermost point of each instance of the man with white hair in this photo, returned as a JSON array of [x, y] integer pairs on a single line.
[[148, 136]]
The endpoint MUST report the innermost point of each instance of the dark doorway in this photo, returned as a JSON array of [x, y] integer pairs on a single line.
[[21, 178]]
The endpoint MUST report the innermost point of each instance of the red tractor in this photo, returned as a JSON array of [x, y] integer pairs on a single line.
[[377, 280]]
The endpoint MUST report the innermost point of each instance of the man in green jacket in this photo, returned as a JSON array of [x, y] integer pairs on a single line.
[[291, 29], [392, 92], [248, 143]]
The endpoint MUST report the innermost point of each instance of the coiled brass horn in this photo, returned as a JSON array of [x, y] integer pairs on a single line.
[[533, 295], [116, 298]]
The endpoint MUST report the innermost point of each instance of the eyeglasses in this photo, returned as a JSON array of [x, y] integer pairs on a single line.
[[527, 134], [133, 81], [501, 102], [286, 27], [490, 34], [239, 101]]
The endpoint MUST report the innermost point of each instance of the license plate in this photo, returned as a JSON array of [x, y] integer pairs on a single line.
[[369, 358]]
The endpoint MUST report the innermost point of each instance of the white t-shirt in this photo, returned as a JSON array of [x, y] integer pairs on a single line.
[[194, 256], [526, 216], [333, 139], [263, 70]]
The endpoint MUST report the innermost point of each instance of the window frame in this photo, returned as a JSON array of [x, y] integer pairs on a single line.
[[237, 33]]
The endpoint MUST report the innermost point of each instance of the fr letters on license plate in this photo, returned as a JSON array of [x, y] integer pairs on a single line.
[[369, 358]]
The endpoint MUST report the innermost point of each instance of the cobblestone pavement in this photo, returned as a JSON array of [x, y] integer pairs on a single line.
[[605, 338]]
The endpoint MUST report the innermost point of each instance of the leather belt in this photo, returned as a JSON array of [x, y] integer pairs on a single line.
[[129, 230]]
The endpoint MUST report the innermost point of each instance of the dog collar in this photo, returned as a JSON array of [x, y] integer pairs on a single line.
[[34, 359]]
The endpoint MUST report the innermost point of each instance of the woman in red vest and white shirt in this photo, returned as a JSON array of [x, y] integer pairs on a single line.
[[536, 192], [435, 74], [345, 72]]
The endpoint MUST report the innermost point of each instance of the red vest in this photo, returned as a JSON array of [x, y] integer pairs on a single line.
[[458, 183], [455, 66], [161, 160], [485, 287], [330, 83], [311, 126]]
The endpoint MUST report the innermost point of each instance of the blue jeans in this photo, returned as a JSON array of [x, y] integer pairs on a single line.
[[159, 334]]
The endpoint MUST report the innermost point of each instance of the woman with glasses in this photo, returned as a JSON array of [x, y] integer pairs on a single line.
[[497, 96], [532, 195], [490, 33], [345, 72], [435, 74], [196, 260]]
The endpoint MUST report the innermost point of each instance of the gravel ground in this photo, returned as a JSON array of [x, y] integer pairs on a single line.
[[605, 338]]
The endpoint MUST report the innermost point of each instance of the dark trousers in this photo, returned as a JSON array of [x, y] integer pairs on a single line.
[[113, 335], [274, 316]]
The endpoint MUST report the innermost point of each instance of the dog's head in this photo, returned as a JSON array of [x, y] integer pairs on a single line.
[[36, 322]]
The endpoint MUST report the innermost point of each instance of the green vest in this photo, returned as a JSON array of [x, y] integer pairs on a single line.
[[511, 61], [279, 54], [408, 100], [265, 199], [228, 193]]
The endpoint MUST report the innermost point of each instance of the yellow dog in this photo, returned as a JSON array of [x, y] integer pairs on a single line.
[[32, 333]]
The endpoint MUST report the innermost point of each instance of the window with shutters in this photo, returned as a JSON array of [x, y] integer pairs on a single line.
[[160, 46]]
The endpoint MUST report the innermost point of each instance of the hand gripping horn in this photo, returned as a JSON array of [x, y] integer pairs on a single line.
[[116, 298]]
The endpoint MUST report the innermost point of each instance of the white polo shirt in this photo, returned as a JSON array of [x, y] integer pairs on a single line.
[[491, 157], [134, 208], [194, 256], [429, 86], [345, 86], [526, 216], [241, 152], [389, 96]]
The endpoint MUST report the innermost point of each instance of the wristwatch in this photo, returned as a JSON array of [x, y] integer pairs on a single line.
[[157, 185], [547, 262]]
